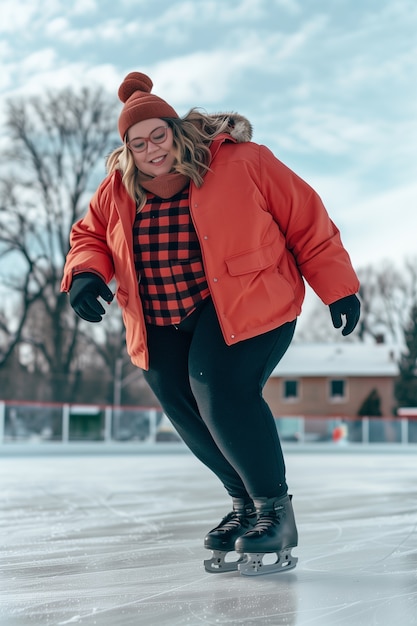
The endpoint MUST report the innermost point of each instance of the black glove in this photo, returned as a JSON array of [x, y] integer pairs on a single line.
[[350, 307], [85, 290]]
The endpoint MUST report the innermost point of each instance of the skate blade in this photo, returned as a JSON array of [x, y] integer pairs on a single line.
[[253, 564], [218, 564]]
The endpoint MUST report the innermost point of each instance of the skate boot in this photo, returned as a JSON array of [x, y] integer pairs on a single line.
[[274, 532], [221, 539]]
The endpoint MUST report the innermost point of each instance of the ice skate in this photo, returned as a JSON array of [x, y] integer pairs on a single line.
[[275, 532], [221, 539]]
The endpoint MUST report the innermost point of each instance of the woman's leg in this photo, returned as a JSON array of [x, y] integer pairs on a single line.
[[168, 378], [227, 383]]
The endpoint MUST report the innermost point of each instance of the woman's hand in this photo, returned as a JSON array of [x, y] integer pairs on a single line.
[[350, 307], [85, 289]]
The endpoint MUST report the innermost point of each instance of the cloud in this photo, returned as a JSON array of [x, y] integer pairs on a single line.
[[82, 7], [332, 91], [313, 130], [223, 13], [374, 226], [74, 75], [228, 71], [384, 226], [13, 20], [182, 80]]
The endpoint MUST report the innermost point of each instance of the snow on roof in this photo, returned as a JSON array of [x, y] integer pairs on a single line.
[[340, 359]]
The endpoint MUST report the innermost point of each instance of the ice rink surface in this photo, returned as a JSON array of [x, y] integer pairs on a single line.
[[117, 541]]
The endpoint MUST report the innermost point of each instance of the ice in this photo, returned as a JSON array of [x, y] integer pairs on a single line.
[[117, 541]]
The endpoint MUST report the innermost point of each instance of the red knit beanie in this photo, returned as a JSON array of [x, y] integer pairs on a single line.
[[140, 104]]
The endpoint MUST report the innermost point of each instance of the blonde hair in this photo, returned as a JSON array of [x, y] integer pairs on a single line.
[[192, 136]]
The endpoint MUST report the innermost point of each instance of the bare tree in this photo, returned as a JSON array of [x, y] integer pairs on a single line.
[[57, 148], [388, 294]]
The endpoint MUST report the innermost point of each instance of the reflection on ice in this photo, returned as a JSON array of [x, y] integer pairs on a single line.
[[117, 540]]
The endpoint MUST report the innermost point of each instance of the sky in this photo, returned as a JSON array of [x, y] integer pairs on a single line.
[[330, 86]]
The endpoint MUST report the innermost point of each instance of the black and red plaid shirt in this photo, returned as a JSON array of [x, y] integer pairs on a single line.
[[168, 260]]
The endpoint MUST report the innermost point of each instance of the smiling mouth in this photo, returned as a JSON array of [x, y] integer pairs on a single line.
[[158, 160]]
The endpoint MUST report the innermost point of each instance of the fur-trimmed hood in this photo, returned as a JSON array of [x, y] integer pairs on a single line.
[[239, 126]]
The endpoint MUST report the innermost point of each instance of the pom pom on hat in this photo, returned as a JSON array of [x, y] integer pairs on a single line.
[[139, 103], [133, 82]]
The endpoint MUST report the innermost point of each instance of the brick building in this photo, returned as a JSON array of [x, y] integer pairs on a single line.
[[332, 379]]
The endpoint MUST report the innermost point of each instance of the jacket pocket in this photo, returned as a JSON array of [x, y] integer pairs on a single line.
[[252, 260]]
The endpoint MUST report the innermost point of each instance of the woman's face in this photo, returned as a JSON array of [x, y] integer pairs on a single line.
[[152, 146]]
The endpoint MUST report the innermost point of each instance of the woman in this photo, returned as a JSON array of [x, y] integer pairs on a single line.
[[209, 237]]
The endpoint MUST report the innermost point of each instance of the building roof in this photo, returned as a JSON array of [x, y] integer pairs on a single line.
[[338, 359]]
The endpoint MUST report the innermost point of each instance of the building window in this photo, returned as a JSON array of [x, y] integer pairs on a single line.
[[290, 390], [337, 390]]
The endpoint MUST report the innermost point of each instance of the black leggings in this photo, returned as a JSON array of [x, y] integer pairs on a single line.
[[212, 393]]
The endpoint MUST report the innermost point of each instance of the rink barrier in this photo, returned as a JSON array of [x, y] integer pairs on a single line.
[[48, 427]]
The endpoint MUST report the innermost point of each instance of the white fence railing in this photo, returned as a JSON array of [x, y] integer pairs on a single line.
[[343, 430], [40, 423], [64, 423]]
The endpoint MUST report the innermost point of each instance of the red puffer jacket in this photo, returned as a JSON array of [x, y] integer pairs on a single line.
[[261, 229]]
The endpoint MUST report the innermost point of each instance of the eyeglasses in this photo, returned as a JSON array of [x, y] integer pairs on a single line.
[[158, 135]]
